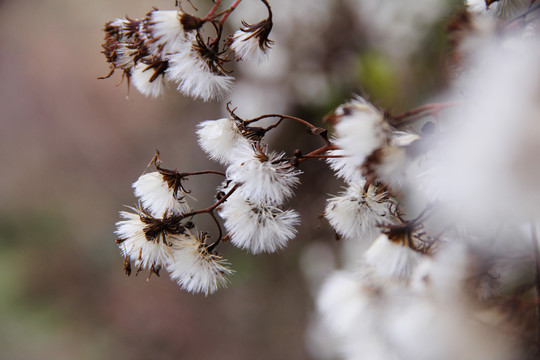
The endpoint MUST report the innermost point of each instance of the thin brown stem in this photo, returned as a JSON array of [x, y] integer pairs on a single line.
[[220, 235], [183, 175], [316, 152], [308, 124], [410, 116], [321, 156], [213, 207], [313, 130]]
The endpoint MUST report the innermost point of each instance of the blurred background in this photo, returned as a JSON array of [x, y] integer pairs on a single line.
[[72, 145]]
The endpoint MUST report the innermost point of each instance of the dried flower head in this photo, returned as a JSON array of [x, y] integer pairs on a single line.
[[251, 43], [258, 227], [357, 212], [264, 178]]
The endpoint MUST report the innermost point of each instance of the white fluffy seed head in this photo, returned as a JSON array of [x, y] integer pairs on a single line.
[[264, 179], [390, 260], [141, 76], [346, 167], [356, 213], [167, 31], [258, 227], [157, 197], [134, 245], [360, 129], [246, 47], [222, 141], [194, 268], [195, 78]]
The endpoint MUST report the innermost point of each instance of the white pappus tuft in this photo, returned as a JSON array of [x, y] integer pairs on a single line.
[[195, 268], [195, 77], [222, 140], [246, 47], [157, 197], [147, 81], [360, 129], [356, 213], [267, 179], [258, 227], [135, 246], [168, 32]]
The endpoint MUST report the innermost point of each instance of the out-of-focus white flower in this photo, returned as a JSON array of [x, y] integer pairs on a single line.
[[195, 77], [158, 196], [356, 213], [135, 245], [265, 178], [258, 227], [251, 43], [391, 260], [195, 268], [341, 301], [222, 140], [145, 80], [488, 169]]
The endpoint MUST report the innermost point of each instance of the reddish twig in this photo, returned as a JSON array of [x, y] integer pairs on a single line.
[[212, 11], [228, 12]]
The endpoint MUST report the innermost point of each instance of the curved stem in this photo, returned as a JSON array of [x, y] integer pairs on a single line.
[[201, 173], [220, 235], [302, 121], [314, 130]]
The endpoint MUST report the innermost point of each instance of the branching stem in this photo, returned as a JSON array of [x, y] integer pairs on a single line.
[[213, 207], [229, 11]]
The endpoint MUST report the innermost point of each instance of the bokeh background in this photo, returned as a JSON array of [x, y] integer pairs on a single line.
[[71, 146]]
